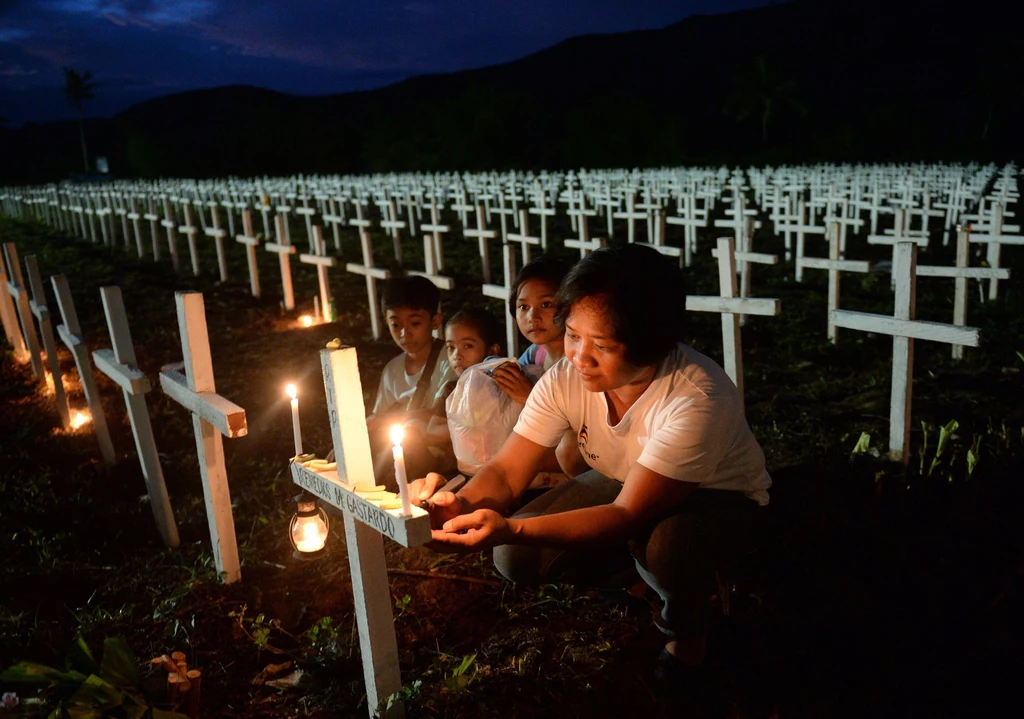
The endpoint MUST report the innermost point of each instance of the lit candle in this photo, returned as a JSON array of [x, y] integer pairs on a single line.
[[397, 433], [296, 430]]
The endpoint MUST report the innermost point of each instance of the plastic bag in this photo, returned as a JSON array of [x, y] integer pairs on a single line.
[[480, 416]]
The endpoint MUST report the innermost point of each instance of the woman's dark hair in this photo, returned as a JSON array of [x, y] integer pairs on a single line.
[[643, 295], [482, 321], [544, 268]]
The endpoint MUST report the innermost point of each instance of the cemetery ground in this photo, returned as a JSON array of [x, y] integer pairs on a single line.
[[877, 590]]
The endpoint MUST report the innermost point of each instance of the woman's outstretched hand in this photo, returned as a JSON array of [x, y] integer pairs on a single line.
[[441, 505], [472, 532]]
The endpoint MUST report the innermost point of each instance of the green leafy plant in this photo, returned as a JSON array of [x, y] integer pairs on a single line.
[[403, 604], [974, 455], [863, 445], [257, 629], [406, 693], [324, 639], [459, 678], [945, 433], [87, 689]]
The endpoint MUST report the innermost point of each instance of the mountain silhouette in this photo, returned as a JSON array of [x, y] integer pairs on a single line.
[[872, 80]]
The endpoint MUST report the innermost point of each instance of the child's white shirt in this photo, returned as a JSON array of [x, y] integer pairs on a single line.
[[395, 384]]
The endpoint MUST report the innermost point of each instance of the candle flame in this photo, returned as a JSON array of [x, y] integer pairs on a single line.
[[397, 434], [306, 320], [80, 419], [291, 391]]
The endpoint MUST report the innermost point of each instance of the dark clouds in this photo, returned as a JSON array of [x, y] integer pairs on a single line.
[[138, 49]]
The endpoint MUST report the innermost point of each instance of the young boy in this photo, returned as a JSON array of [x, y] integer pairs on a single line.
[[410, 383], [410, 307]]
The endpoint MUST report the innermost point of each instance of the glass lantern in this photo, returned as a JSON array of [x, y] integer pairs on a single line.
[[308, 528]]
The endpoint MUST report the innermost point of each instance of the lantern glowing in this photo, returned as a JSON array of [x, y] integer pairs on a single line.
[[306, 321], [80, 419], [308, 528]]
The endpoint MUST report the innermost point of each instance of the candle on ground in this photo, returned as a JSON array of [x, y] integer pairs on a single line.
[[296, 430], [397, 434]]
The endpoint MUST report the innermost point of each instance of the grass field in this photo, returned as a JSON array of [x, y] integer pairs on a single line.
[[879, 590]]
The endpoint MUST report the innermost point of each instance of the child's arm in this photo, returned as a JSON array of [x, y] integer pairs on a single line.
[[513, 381]]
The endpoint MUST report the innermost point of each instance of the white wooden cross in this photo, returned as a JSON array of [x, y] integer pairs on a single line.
[[541, 209], [120, 365], [19, 293], [630, 215], [482, 234], [962, 273], [390, 222], [121, 208], [171, 227], [134, 216], [9, 317], [462, 206], [834, 265], [503, 214], [435, 229], [322, 261], [335, 216], [802, 228], [251, 242], [744, 258], [282, 211], [284, 250], [899, 234], [690, 218], [42, 314], [583, 243], [190, 231], [307, 213], [154, 235], [430, 263], [229, 206], [70, 333], [503, 292], [212, 416], [995, 239], [904, 330], [367, 270], [730, 307], [523, 237], [366, 524], [218, 235], [845, 219]]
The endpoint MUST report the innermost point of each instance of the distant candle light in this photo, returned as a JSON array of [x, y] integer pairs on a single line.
[[80, 419], [306, 321]]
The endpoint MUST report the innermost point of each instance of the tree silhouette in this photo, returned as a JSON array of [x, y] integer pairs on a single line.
[[78, 86], [759, 92]]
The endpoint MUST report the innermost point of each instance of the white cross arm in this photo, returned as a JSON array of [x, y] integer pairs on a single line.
[[318, 260], [226, 416], [246, 240], [497, 291], [823, 263], [215, 232], [915, 329], [760, 258], [186, 228], [1000, 239], [69, 338], [435, 228], [378, 273], [41, 312], [734, 305], [407, 531], [971, 273], [130, 379], [922, 240], [440, 281], [280, 249], [305, 211]]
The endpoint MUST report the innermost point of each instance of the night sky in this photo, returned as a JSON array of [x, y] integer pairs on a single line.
[[139, 49]]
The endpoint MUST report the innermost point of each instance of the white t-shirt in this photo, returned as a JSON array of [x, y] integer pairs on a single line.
[[687, 425], [396, 385]]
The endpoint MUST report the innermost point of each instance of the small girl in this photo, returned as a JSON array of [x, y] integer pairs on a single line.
[[471, 335], [532, 303]]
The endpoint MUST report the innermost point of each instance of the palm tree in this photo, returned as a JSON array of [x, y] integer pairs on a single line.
[[758, 91], [78, 86]]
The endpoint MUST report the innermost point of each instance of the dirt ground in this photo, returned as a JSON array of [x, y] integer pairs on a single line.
[[878, 590]]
